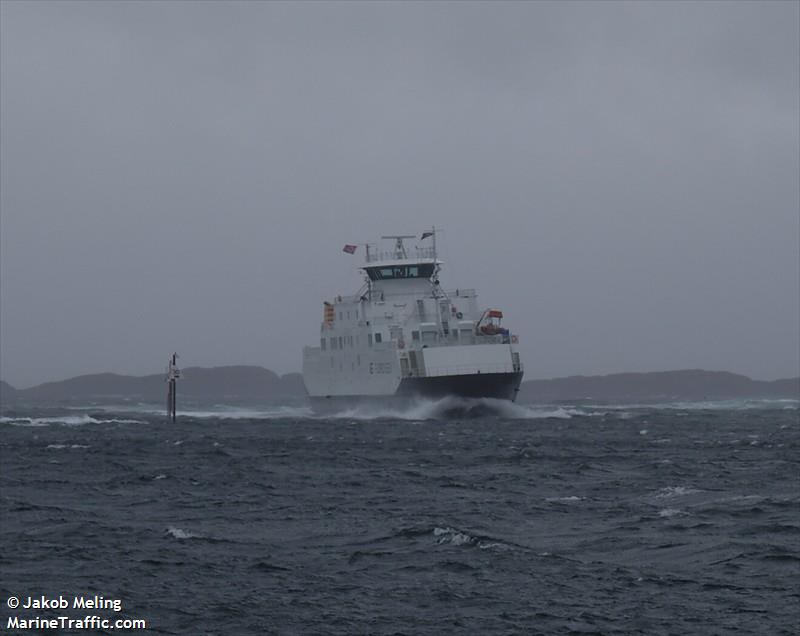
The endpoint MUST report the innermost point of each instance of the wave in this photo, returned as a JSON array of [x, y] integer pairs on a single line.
[[676, 491], [216, 411], [671, 512], [64, 420], [180, 534], [453, 536], [236, 413], [60, 446], [570, 499], [735, 404], [458, 408]]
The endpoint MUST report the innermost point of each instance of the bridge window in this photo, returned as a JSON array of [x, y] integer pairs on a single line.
[[377, 337], [424, 270]]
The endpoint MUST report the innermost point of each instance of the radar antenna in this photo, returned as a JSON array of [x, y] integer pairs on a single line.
[[399, 248]]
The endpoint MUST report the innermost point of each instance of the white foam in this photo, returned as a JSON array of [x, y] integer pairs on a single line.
[[236, 413], [676, 491], [570, 499], [60, 446], [220, 411], [181, 534], [64, 420], [429, 409], [453, 536], [671, 512]]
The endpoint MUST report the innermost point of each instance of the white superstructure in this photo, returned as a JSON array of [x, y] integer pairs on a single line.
[[403, 335]]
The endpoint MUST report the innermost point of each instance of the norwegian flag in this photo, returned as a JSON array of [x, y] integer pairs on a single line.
[[350, 249]]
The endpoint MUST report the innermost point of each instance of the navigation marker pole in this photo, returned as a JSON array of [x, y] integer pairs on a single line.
[[173, 374]]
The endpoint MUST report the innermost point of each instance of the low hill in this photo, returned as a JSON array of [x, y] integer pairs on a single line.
[[7, 392], [688, 385], [216, 384], [252, 384]]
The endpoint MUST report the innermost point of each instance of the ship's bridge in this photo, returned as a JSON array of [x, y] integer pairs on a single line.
[[401, 269], [400, 263]]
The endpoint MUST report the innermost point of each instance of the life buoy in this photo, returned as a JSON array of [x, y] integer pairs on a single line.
[[459, 315]]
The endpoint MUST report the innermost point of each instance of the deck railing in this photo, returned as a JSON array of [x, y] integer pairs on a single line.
[[375, 255], [472, 369]]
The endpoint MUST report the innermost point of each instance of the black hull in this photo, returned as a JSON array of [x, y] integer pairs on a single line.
[[498, 386]]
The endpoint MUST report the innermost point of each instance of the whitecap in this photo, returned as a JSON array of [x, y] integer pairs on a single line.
[[571, 499], [676, 491], [453, 536], [237, 413], [64, 420], [671, 512], [450, 407], [59, 446], [178, 533]]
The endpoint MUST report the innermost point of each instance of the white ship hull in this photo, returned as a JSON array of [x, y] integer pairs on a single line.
[[484, 371]]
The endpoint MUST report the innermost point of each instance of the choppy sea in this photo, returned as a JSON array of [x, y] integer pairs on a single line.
[[505, 519]]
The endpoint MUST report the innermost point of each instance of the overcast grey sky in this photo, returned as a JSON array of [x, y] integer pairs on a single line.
[[620, 179]]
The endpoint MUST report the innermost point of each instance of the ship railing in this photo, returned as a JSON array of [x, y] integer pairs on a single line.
[[461, 292], [454, 341], [471, 369], [388, 297], [375, 255]]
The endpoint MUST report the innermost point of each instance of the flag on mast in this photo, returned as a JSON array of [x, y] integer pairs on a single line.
[[350, 249]]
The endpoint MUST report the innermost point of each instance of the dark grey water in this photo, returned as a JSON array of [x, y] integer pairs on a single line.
[[590, 520]]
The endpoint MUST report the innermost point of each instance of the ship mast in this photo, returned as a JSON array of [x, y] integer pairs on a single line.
[[399, 248]]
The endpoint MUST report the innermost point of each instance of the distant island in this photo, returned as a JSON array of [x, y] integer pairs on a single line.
[[253, 384]]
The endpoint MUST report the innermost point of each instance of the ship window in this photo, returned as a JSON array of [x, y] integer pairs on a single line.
[[358, 359], [356, 314], [340, 315], [348, 315], [400, 271], [415, 335], [341, 344], [377, 337], [322, 343], [369, 339]]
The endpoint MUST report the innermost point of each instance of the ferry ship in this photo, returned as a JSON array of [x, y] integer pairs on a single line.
[[404, 337]]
